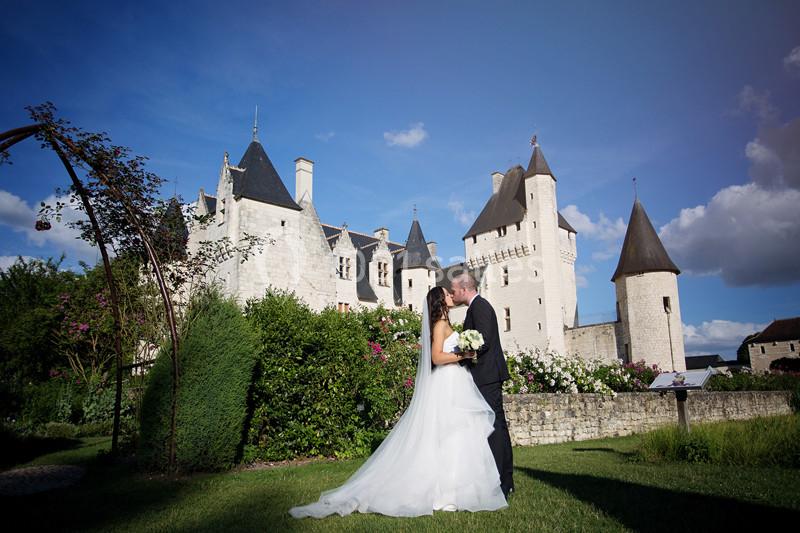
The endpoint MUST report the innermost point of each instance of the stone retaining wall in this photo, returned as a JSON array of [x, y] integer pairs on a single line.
[[550, 418]]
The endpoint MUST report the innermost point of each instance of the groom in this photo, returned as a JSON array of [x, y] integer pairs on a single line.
[[489, 372]]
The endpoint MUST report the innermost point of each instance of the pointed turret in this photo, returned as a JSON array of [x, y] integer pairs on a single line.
[[537, 164], [642, 250], [417, 253], [256, 178]]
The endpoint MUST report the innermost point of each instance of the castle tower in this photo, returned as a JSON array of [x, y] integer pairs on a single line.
[[648, 308], [519, 240], [415, 269], [540, 197]]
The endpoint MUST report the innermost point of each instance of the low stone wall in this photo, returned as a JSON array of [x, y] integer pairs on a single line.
[[550, 418]]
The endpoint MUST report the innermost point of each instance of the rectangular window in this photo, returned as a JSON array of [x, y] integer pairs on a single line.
[[667, 306], [534, 224], [383, 274], [410, 307], [474, 239], [508, 318], [534, 247], [410, 283], [501, 231], [505, 276], [762, 349], [540, 301], [283, 223], [344, 267], [518, 227], [791, 346], [535, 273]]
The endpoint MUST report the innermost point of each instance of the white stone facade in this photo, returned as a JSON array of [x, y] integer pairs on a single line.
[[528, 271]]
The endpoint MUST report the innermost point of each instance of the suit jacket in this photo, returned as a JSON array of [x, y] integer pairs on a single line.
[[491, 366]]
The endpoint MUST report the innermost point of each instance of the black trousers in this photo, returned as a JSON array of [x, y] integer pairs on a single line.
[[499, 440]]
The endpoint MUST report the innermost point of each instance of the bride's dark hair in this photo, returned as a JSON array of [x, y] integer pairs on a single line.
[[437, 307]]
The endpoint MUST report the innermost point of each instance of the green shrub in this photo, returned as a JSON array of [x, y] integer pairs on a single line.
[[41, 402], [327, 383], [747, 381], [216, 359], [60, 430], [96, 429]]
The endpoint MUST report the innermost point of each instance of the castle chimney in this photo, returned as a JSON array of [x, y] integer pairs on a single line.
[[303, 178], [497, 180], [432, 248], [381, 232]]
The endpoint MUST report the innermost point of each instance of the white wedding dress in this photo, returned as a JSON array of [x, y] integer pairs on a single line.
[[435, 458]]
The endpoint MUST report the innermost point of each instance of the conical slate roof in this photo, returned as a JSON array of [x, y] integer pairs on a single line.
[[417, 254], [505, 207], [642, 250], [259, 180], [538, 164]]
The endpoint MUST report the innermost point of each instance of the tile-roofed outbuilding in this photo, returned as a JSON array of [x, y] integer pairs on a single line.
[[785, 329], [642, 250]]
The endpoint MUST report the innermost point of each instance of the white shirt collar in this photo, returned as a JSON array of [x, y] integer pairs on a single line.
[[472, 300]]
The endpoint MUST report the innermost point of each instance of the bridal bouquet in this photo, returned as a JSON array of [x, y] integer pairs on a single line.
[[470, 340]]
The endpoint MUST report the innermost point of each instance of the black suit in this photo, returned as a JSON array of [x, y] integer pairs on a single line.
[[489, 373]]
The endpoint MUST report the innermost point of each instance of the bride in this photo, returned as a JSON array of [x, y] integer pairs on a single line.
[[437, 456]]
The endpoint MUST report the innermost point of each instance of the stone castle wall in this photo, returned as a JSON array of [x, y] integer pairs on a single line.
[[551, 418]]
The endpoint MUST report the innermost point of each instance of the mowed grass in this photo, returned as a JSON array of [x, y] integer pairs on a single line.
[[586, 486]]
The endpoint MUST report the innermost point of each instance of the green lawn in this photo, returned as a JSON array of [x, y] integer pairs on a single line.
[[586, 486]]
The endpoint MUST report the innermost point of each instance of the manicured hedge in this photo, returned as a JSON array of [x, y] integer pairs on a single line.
[[216, 359]]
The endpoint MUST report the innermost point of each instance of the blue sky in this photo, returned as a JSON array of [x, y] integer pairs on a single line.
[[416, 103]]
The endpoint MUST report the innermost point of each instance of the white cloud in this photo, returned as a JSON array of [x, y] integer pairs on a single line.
[[581, 281], [717, 336], [751, 101], [775, 157], [409, 138], [604, 229], [325, 137], [21, 218], [7, 260], [746, 234], [460, 215], [792, 61]]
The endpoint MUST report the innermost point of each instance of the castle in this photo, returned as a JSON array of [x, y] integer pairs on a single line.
[[520, 248]]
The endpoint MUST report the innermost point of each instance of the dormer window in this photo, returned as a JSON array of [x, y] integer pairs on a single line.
[[519, 227], [344, 267], [501, 231], [474, 239], [383, 274]]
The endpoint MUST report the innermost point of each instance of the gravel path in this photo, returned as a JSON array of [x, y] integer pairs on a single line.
[[33, 479]]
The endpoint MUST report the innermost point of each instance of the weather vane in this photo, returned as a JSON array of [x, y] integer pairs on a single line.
[[255, 125], [635, 193]]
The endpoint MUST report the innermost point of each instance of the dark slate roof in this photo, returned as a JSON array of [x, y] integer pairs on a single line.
[[259, 180], [538, 164], [562, 223], [505, 207], [417, 253], [701, 362], [785, 329], [642, 250], [211, 203]]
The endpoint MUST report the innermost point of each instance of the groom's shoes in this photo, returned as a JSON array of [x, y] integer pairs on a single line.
[[508, 492]]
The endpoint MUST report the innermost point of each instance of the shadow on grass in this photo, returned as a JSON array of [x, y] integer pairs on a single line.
[[19, 450], [646, 508], [622, 455]]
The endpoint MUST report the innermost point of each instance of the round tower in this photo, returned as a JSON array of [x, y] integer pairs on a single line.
[[648, 308]]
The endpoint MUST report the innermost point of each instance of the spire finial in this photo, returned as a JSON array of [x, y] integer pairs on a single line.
[[255, 126], [534, 142], [415, 211], [635, 193]]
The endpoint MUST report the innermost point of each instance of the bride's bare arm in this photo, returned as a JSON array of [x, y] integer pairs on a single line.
[[440, 332]]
